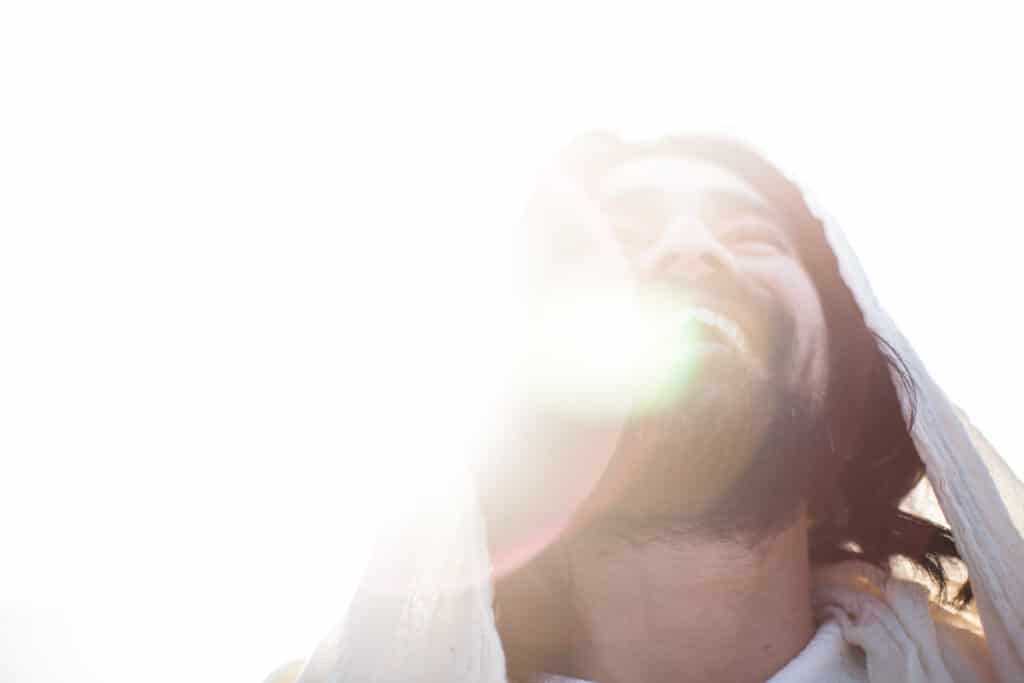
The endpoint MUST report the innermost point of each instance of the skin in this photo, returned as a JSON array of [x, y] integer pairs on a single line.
[[680, 609], [680, 219]]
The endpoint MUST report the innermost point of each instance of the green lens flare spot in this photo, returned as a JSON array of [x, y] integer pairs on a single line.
[[599, 352]]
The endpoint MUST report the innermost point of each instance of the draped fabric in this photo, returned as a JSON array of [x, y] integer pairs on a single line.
[[977, 491], [423, 613]]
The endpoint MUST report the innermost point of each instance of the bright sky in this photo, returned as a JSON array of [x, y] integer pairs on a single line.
[[258, 260]]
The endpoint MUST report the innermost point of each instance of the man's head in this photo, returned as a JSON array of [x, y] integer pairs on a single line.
[[790, 405], [790, 410], [729, 452]]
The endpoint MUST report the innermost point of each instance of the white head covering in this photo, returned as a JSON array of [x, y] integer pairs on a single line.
[[423, 612]]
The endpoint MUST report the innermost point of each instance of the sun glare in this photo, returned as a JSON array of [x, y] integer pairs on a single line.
[[257, 269], [593, 346]]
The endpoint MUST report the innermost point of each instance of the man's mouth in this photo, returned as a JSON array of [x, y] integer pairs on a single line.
[[716, 327]]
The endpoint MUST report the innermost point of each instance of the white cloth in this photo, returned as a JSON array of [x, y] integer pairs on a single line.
[[879, 628], [978, 493], [423, 613]]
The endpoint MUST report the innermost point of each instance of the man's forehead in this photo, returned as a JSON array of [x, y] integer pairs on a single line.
[[675, 176]]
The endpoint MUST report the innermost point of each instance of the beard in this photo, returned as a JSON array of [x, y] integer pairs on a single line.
[[731, 456]]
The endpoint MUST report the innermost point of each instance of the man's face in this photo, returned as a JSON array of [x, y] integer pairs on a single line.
[[760, 355], [698, 229]]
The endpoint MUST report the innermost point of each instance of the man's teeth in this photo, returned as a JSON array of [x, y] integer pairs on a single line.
[[728, 328]]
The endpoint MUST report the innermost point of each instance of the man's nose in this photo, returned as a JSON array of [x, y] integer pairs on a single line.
[[688, 250]]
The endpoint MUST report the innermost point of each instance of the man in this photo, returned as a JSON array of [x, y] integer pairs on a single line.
[[714, 494]]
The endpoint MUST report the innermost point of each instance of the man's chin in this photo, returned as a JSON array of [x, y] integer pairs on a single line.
[[677, 462], [720, 383]]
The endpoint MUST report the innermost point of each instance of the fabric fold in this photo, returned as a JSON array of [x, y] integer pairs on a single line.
[[963, 471]]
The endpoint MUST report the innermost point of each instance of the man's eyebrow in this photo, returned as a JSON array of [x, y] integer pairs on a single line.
[[731, 203]]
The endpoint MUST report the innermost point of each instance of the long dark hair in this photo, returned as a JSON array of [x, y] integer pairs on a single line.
[[854, 493]]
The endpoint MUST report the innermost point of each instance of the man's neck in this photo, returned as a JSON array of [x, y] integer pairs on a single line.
[[682, 612]]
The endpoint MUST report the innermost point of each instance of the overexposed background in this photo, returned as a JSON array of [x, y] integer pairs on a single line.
[[258, 263]]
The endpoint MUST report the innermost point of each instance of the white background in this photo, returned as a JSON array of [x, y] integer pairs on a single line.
[[257, 261]]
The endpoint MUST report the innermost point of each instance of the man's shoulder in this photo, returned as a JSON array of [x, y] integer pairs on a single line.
[[962, 644], [895, 621]]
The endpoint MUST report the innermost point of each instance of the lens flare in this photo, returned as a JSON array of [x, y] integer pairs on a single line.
[[592, 348]]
